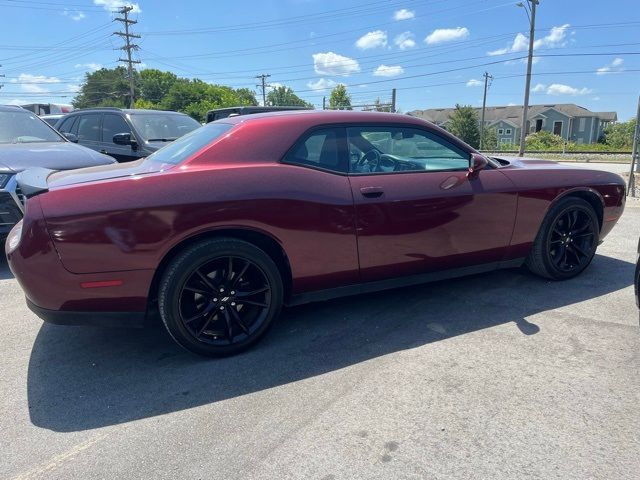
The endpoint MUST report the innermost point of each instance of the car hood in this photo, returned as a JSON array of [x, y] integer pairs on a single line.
[[17, 157], [104, 172]]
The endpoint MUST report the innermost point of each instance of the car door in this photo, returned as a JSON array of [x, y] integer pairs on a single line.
[[88, 130], [111, 125], [417, 208]]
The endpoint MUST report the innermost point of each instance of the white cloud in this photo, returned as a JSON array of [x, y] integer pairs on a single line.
[[613, 67], [33, 83], [474, 82], [403, 14], [540, 87], [556, 38], [112, 5], [404, 41], [560, 89], [374, 39], [321, 84], [75, 15], [388, 71], [88, 66], [441, 35], [596, 98], [330, 63]]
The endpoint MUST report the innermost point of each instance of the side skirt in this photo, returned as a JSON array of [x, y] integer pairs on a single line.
[[369, 287], [97, 319]]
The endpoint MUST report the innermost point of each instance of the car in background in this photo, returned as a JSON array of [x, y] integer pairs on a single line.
[[219, 113], [636, 282], [229, 223], [27, 141], [125, 134], [52, 118]]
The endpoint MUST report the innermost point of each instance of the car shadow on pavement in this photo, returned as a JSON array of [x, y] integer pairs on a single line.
[[5, 272], [84, 378]]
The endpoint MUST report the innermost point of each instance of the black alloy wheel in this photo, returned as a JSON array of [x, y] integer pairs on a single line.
[[220, 296], [572, 240], [567, 240]]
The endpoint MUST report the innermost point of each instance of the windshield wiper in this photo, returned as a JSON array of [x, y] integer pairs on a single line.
[[161, 139]]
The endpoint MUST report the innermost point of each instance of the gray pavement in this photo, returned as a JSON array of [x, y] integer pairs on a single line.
[[499, 376]]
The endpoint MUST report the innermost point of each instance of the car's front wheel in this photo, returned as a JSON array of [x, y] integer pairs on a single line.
[[219, 296], [567, 240]]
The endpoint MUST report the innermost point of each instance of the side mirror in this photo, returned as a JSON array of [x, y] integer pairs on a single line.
[[124, 139], [477, 162], [71, 137]]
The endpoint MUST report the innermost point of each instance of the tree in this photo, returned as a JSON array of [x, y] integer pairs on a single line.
[[620, 135], [246, 97], [544, 140], [284, 96], [155, 84], [489, 138], [107, 87], [464, 124], [340, 98]]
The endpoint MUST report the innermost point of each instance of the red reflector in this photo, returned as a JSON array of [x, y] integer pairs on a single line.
[[103, 283]]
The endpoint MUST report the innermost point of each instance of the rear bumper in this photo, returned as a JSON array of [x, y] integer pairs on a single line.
[[97, 319]]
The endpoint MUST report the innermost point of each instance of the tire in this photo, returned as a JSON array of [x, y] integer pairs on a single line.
[[218, 297], [570, 231]]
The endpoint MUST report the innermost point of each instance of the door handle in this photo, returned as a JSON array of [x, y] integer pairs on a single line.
[[103, 151], [372, 192]]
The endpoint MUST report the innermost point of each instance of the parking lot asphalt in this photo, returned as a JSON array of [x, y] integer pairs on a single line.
[[502, 375]]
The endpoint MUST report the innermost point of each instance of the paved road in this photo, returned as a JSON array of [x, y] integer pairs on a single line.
[[496, 376]]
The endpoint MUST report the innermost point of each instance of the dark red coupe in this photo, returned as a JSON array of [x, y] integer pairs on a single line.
[[223, 227]]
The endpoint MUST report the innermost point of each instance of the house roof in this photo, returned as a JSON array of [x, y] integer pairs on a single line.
[[513, 113]]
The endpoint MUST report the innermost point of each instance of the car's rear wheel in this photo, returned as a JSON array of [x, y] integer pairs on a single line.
[[567, 240], [220, 296]]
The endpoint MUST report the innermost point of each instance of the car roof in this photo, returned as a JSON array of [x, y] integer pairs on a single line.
[[128, 111], [324, 116], [12, 108]]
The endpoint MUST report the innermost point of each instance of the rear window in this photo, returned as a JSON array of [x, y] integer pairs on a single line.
[[187, 145]]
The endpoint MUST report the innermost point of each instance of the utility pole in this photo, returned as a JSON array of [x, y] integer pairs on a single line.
[[264, 86], [525, 107], [324, 103], [635, 156], [487, 83], [393, 100], [128, 47]]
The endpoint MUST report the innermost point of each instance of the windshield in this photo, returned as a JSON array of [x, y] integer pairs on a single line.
[[159, 127], [25, 127], [184, 147]]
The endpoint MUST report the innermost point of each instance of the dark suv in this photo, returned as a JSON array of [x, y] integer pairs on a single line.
[[124, 134]]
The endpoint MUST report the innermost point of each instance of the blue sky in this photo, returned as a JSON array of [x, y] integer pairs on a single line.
[[433, 51]]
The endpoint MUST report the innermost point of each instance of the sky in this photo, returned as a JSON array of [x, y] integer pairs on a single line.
[[434, 52]]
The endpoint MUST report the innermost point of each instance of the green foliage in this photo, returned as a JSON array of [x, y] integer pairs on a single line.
[[340, 98], [107, 87], [380, 107], [284, 96], [155, 84], [543, 140], [464, 124], [155, 89], [489, 138], [620, 135]]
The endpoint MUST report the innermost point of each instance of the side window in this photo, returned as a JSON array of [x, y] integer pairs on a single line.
[[321, 149], [402, 149], [67, 125], [112, 124], [89, 127]]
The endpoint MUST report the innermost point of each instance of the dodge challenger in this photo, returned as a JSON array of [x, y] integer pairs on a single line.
[[222, 228]]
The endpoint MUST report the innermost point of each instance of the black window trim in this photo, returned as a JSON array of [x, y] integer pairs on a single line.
[[343, 158]]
